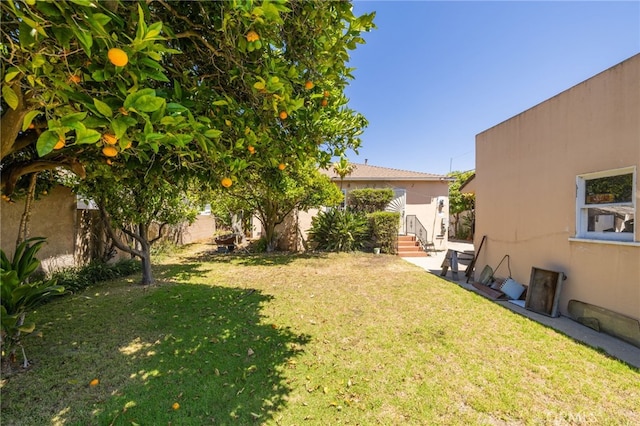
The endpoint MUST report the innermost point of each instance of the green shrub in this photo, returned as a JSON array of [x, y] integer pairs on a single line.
[[79, 278], [369, 200], [339, 230], [384, 230]]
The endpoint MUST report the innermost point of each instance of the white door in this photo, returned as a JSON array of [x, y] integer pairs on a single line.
[[398, 205]]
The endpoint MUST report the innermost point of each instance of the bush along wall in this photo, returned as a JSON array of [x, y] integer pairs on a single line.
[[369, 200], [384, 230], [76, 279]]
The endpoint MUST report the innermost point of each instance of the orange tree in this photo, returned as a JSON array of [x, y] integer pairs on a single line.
[[212, 90], [89, 81], [277, 192]]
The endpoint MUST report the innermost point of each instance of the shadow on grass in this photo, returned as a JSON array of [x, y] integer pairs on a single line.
[[206, 349], [254, 259]]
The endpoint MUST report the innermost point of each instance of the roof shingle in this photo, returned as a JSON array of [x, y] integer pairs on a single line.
[[368, 172]]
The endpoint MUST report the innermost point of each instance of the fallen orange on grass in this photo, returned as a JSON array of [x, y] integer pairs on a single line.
[[226, 182], [252, 36], [175, 406], [118, 57], [94, 382]]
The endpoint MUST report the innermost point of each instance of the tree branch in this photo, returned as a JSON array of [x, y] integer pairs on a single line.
[[115, 238], [11, 122], [10, 177]]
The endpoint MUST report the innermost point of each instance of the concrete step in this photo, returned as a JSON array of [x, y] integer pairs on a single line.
[[412, 254]]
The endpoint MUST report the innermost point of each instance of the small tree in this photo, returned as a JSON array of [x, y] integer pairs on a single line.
[[272, 193], [343, 168], [460, 202], [131, 201]]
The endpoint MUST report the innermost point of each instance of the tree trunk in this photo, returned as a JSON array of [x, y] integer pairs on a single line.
[[23, 230], [145, 249]]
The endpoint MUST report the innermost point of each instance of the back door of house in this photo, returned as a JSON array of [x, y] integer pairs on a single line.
[[398, 204]]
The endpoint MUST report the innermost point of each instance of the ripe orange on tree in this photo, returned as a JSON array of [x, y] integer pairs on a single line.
[[282, 166], [326, 93], [110, 138], [324, 102], [283, 115], [308, 85], [251, 149], [73, 78], [109, 151], [118, 57]]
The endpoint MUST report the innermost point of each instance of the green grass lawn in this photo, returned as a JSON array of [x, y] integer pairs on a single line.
[[305, 340]]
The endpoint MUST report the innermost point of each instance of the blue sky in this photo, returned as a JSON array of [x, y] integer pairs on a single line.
[[435, 74]]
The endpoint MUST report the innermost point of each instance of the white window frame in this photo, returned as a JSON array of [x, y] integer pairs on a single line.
[[582, 207]]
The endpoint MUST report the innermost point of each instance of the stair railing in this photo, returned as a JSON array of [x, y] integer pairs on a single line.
[[415, 227]]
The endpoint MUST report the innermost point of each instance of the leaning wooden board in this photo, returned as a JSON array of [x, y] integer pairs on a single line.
[[609, 322]]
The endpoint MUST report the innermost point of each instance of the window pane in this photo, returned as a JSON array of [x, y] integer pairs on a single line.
[[610, 219], [610, 189]]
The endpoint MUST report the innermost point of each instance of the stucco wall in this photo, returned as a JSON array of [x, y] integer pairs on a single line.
[[53, 217], [202, 229], [526, 170]]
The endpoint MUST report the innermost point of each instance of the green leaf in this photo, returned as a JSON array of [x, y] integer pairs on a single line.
[[133, 97], [177, 89], [220, 102], [84, 38], [119, 126], [27, 328], [26, 122], [147, 103], [11, 74], [10, 97], [103, 108], [153, 32], [63, 35], [213, 133], [173, 107], [70, 119], [86, 136], [153, 137], [25, 35], [46, 142], [101, 18]]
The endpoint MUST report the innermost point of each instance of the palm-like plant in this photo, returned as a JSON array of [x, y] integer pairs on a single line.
[[339, 230], [343, 168], [18, 296]]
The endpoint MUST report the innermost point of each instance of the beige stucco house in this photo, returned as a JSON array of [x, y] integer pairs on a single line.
[[558, 187], [422, 199]]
